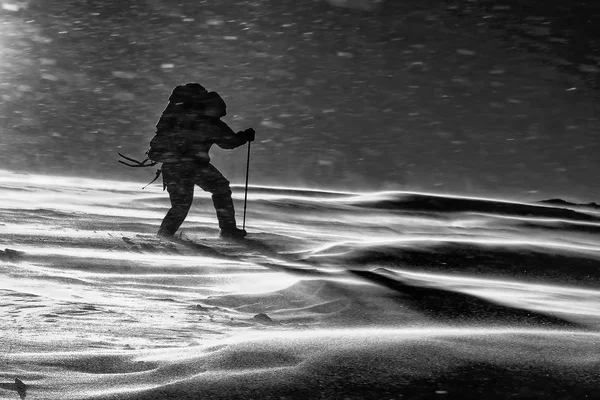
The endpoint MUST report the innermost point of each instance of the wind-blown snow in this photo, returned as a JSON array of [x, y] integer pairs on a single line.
[[332, 295]]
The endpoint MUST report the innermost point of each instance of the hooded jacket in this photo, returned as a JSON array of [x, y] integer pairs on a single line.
[[194, 131], [208, 131]]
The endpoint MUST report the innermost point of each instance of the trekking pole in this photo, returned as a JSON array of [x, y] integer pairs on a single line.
[[246, 193]]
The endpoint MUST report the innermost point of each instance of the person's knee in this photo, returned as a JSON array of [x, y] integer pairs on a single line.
[[222, 195], [223, 190], [181, 208], [180, 195]]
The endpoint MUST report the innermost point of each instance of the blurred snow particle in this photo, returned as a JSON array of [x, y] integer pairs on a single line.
[[329, 111], [345, 54], [571, 89], [589, 68], [230, 37], [282, 73], [561, 61], [24, 88], [461, 80], [272, 124], [214, 21], [539, 31], [167, 66], [555, 39], [188, 20], [124, 74], [41, 39], [47, 61], [497, 71], [365, 5], [536, 18], [465, 52], [124, 96], [12, 6], [49, 77]]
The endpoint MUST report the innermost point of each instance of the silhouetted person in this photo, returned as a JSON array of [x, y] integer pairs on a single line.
[[191, 125]]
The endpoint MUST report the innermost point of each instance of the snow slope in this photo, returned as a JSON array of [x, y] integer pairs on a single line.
[[333, 295]]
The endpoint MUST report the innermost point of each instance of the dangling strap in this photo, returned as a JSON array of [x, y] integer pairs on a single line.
[[140, 164], [137, 164], [158, 172]]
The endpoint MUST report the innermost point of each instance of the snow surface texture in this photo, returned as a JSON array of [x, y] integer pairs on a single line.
[[333, 295]]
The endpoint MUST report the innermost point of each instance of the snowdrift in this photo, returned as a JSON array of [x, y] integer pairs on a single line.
[[332, 295]]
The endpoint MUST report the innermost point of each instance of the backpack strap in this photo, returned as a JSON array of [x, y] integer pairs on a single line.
[[158, 172], [135, 163], [141, 164]]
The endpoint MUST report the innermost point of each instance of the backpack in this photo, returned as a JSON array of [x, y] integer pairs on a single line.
[[173, 127], [167, 146]]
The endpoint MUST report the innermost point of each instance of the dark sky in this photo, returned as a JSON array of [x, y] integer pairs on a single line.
[[413, 95]]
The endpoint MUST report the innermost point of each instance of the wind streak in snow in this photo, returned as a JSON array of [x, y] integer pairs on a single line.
[[376, 295]]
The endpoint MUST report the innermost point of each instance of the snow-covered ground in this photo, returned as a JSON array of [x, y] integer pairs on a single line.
[[333, 295]]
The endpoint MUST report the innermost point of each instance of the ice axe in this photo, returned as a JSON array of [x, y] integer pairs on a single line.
[[246, 192]]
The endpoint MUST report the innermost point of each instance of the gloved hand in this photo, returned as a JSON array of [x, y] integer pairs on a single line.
[[250, 134]]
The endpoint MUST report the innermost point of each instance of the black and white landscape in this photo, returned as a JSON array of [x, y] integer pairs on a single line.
[[423, 209]]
